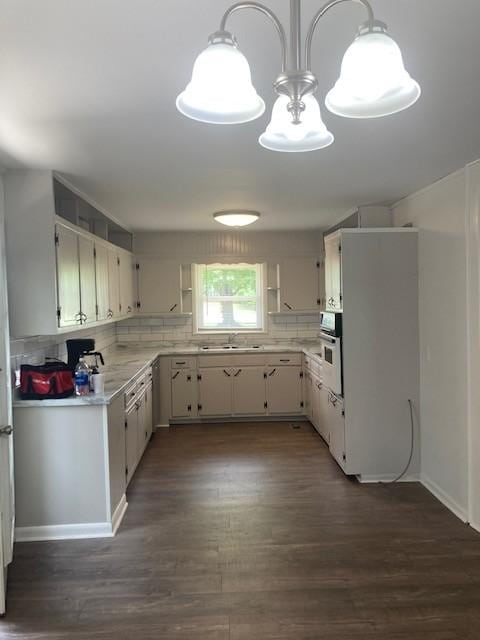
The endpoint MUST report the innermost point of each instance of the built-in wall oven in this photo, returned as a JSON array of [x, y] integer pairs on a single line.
[[331, 348]]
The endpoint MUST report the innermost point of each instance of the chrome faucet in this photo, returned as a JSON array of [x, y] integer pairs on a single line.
[[231, 337]]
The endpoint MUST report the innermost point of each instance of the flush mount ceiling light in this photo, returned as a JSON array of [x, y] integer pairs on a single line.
[[373, 81], [237, 217]]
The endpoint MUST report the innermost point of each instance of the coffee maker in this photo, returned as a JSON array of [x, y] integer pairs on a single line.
[[83, 347]]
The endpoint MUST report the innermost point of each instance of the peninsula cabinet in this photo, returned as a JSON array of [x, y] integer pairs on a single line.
[[60, 276]]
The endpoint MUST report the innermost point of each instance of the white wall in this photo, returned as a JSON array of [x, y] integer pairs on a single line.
[[439, 212], [229, 245]]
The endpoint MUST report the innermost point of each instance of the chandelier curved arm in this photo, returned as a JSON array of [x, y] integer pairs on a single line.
[[321, 12], [267, 12]]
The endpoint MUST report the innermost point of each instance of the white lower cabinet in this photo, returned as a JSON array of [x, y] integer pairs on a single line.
[[284, 390], [249, 391], [131, 441], [336, 423], [215, 391], [138, 422], [183, 393]]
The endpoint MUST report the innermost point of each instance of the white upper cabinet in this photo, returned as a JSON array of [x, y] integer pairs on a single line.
[[126, 271], [113, 284], [101, 279], [333, 272], [59, 275], [159, 286], [88, 294], [299, 281], [68, 277]]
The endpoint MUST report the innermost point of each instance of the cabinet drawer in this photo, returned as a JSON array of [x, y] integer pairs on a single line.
[[182, 363], [279, 359], [131, 394]]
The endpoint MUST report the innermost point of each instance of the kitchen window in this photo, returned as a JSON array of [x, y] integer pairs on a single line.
[[229, 298]]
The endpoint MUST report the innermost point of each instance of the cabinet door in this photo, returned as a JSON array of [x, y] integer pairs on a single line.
[[299, 284], [68, 277], [308, 395], [148, 413], [284, 390], [141, 440], [88, 299], [131, 441], [336, 421], [323, 414], [113, 285], [333, 272], [215, 391], [182, 393], [158, 286], [126, 283], [319, 401], [249, 391], [101, 279]]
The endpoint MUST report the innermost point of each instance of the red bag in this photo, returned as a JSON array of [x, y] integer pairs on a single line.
[[49, 381]]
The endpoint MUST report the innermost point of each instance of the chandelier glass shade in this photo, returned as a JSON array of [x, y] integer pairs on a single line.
[[221, 90], [373, 81], [308, 135]]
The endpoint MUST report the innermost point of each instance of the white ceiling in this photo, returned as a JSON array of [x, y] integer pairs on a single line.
[[88, 87]]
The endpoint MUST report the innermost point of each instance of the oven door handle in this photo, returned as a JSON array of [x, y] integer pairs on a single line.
[[326, 338]]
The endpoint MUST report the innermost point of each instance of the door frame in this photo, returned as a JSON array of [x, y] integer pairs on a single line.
[[6, 380]]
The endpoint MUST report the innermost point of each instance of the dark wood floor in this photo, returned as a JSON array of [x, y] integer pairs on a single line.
[[251, 532]]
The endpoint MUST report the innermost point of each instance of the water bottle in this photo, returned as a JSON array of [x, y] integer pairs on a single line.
[[82, 378]]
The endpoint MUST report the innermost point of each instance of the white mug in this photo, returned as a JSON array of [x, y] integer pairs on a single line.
[[98, 382]]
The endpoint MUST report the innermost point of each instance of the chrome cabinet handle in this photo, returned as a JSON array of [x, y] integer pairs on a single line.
[[238, 372], [175, 375], [109, 313], [319, 385], [288, 306], [129, 309], [272, 372], [226, 373], [6, 431]]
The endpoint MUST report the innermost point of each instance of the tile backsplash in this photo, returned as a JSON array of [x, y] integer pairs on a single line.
[[177, 329], [168, 329], [34, 349]]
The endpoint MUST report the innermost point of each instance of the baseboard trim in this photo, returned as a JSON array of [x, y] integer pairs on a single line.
[[233, 419], [444, 498], [119, 513], [387, 478]]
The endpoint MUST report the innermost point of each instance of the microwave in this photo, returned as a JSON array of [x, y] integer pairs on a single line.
[[331, 323]]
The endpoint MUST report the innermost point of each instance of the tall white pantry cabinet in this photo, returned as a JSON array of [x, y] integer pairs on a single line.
[[376, 271]]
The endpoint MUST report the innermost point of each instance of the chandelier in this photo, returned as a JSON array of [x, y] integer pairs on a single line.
[[373, 81]]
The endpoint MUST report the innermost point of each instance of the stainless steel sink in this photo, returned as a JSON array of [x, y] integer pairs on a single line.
[[230, 347]]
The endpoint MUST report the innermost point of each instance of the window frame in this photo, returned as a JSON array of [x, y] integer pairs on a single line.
[[261, 299]]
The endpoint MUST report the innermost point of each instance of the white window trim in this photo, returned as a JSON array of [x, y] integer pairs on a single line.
[[263, 298]]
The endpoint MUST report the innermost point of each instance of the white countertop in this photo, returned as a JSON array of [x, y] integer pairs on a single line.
[[125, 362]]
